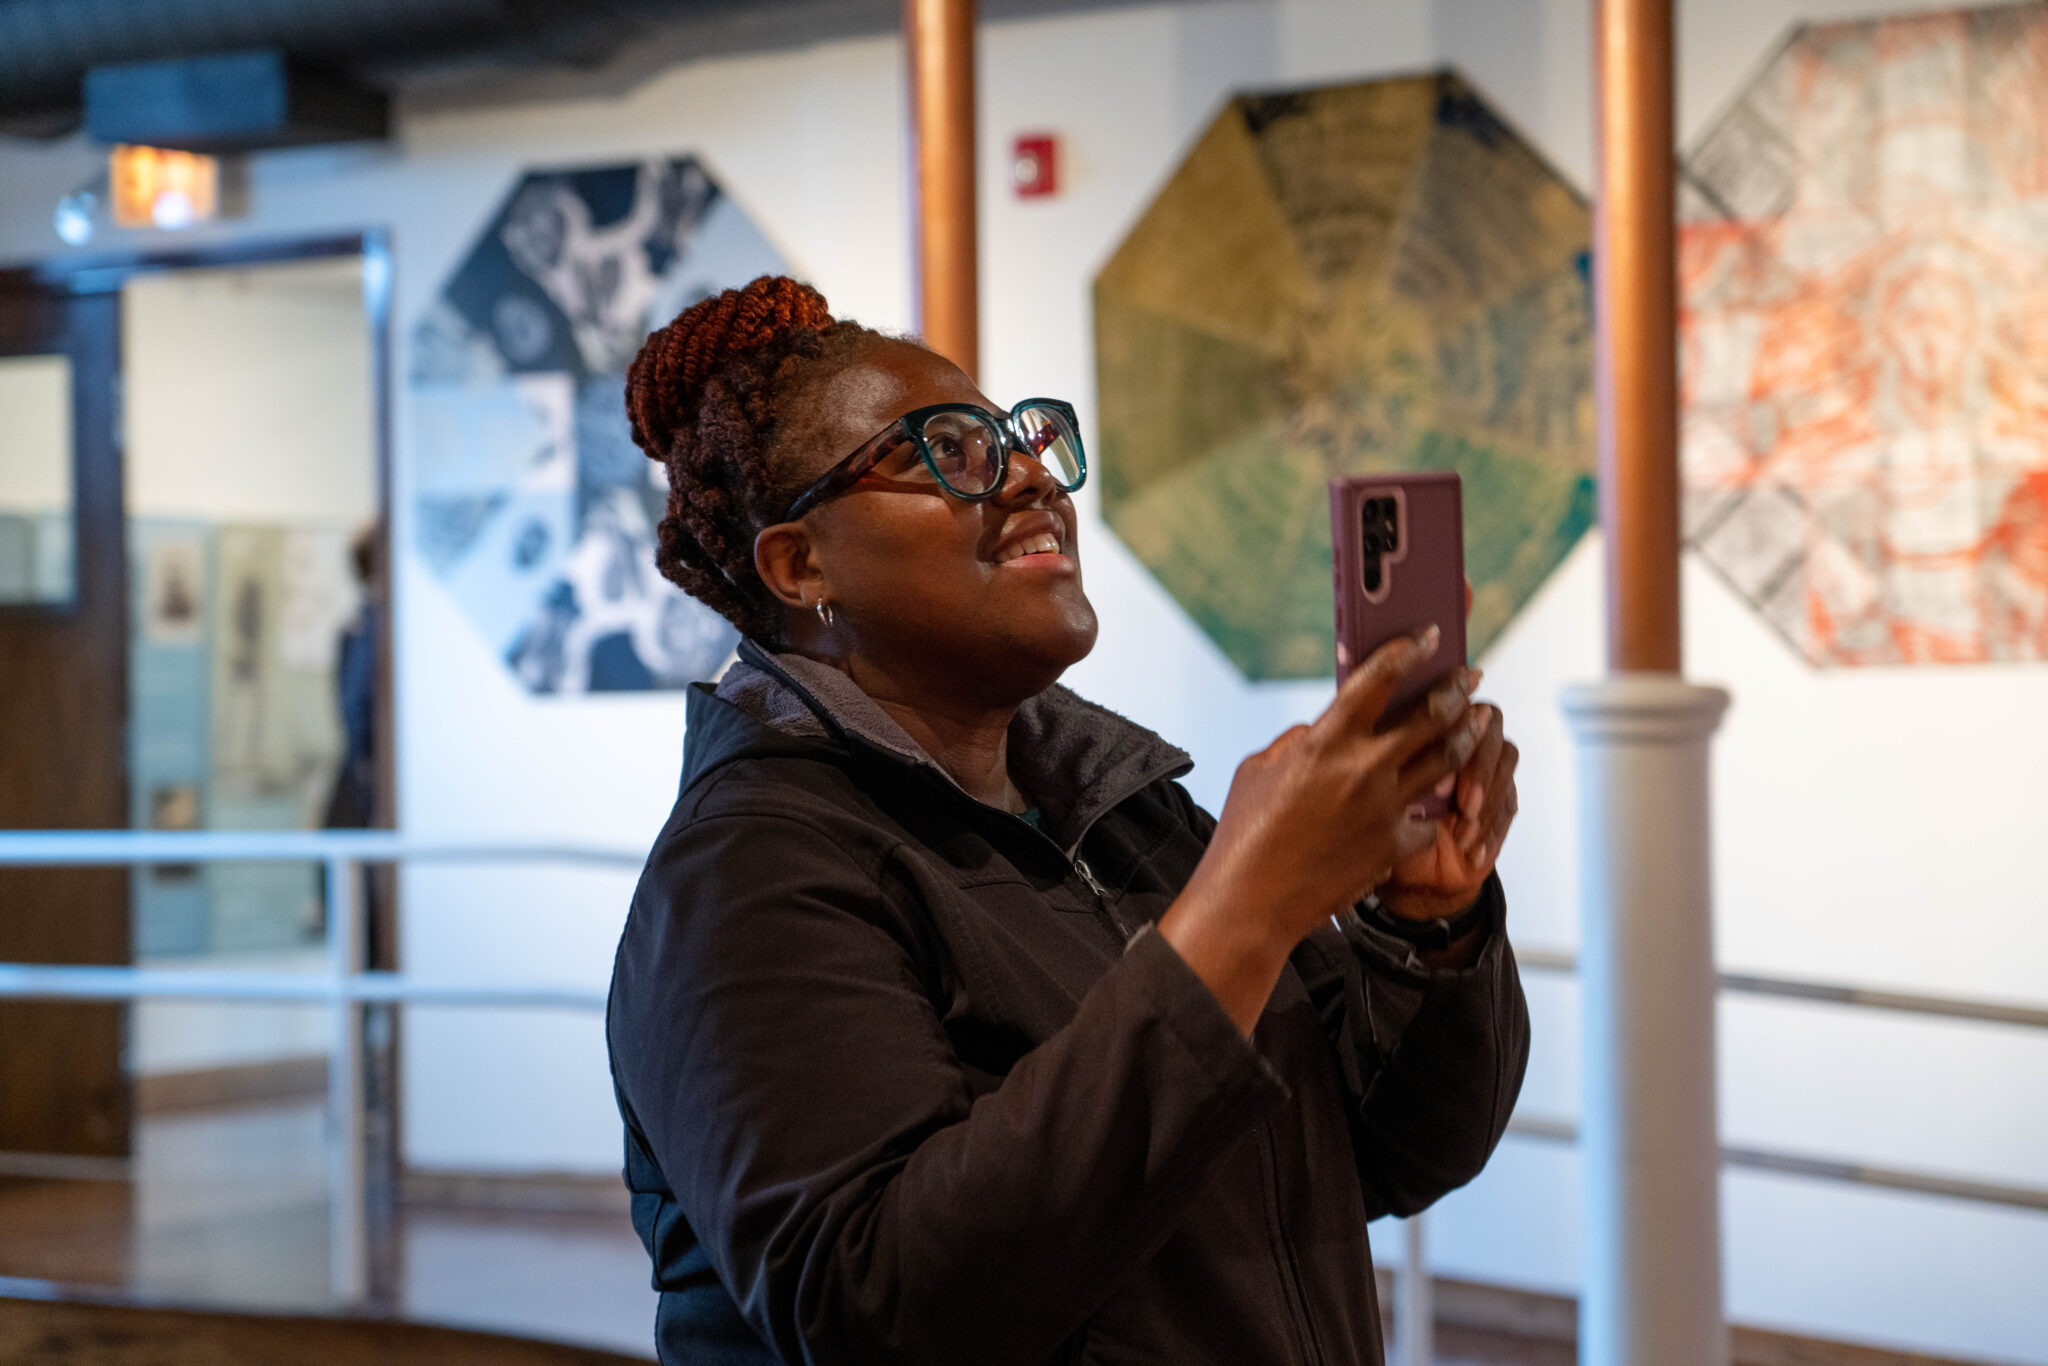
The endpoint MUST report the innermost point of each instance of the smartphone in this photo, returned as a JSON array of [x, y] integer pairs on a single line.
[[1398, 543]]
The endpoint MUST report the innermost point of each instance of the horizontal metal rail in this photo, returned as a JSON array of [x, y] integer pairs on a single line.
[[62, 848], [1833, 993], [1826, 1169], [347, 989], [142, 848], [37, 982], [133, 848], [65, 1167]]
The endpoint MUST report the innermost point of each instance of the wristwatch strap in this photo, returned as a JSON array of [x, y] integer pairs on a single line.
[[1440, 933]]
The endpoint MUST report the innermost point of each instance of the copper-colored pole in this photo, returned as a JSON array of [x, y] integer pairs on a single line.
[[1636, 314], [940, 37]]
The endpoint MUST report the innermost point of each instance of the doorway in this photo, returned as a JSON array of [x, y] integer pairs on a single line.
[[192, 637], [256, 640]]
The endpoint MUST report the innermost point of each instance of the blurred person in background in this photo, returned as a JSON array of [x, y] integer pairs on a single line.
[[352, 800]]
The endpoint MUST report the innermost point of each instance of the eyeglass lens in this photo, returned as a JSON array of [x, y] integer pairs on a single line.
[[1049, 437], [967, 450]]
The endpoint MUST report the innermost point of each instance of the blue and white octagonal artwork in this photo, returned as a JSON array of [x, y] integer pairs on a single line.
[[531, 502]]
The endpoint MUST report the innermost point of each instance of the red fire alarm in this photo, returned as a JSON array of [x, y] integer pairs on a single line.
[[1034, 165]]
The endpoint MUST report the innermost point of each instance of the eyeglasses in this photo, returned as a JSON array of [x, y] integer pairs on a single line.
[[966, 448]]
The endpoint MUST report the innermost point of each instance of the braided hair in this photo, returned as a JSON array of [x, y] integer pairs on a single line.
[[708, 396]]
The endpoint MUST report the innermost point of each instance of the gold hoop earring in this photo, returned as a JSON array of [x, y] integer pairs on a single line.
[[825, 612]]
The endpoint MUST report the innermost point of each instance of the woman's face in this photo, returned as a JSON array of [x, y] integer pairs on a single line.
[[985, 596]]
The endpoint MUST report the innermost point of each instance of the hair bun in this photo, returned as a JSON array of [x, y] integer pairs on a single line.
[[666, 380]]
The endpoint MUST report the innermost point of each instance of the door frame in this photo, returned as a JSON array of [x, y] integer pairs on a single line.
[[106, 273]]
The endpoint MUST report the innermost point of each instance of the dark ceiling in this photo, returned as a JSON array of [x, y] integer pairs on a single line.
[[432, 53]]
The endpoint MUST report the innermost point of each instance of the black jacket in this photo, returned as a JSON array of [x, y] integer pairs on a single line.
[[906, 1079]]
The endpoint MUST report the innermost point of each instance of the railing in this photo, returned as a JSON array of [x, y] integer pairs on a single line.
[[1825, 1169], [346, 987], [1414, 1315]]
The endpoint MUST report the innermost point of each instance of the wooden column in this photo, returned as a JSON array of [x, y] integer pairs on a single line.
[[1636, 312], [939, 35]]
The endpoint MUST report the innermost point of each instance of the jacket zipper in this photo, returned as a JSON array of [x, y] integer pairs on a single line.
[[1283, 1251], [1087, 876], [1088, 879]]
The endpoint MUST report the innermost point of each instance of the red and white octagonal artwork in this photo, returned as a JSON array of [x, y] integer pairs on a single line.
[[1863, 260]]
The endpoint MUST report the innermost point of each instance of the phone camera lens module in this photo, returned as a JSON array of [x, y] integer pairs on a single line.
[[1379, 530]]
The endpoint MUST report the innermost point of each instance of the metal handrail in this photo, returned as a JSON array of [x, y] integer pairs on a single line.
[[1825, 1169], [53, 982], [71, 848], [1832, 993], [345, 986], [135, 848], [142, 848], [1821, 1168]]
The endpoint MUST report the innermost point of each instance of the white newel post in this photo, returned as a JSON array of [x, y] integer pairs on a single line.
[[1647, 1136]]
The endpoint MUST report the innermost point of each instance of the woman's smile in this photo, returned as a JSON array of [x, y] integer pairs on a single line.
[[1035, 540], [1043, 553]]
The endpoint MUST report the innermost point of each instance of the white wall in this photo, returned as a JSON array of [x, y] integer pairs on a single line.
[[35, 434], [248, 394], [185, 1036], [1874, 826]]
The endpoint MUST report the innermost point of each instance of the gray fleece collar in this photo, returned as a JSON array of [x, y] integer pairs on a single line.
[[1073, 758]]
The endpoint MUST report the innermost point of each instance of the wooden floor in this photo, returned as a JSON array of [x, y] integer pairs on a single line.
[[1498, 1326], [227, 1210], [43, 1333]]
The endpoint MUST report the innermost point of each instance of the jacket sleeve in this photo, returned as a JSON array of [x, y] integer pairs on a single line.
[[1432, 1061], [774, 1042]]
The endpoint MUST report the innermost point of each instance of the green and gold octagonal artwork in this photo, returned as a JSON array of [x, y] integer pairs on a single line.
[[1353, 279]]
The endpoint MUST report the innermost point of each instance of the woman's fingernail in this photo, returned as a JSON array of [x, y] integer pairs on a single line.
[[1448, 785], [1427, 639]]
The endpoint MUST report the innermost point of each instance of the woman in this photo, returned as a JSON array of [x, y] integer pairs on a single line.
[[945, 1026]]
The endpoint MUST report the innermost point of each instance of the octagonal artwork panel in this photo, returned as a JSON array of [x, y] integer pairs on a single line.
[[1345, 280], [1864, 332], [532, 505]]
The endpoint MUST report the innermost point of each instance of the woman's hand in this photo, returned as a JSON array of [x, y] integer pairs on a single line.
[[1444, 875], [1317, 819]]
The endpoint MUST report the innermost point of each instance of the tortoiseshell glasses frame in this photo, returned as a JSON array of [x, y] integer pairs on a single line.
[[966, 448]]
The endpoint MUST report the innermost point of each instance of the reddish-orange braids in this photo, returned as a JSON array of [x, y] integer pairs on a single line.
[[705, 396]]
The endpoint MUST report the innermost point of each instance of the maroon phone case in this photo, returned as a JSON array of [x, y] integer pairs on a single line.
[[1421, 582]]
